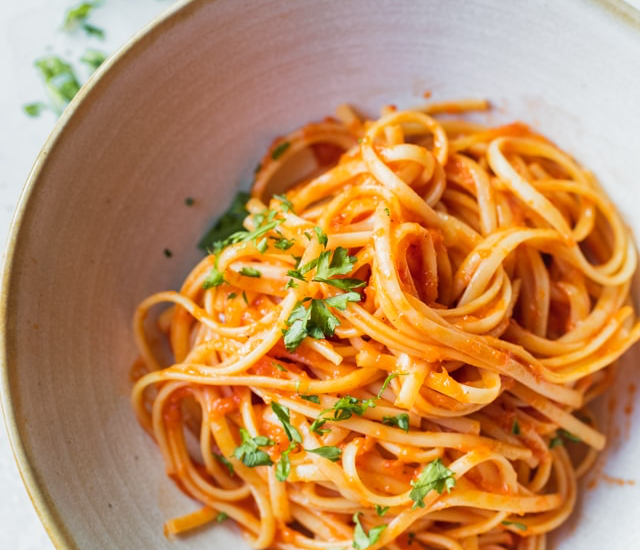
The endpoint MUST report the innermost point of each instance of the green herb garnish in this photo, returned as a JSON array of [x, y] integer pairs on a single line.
[[515, 428], [435, 477], [330, 453], [313, 398], [249, 451], [34, 109], [284, 416], [362, 539], [401, 421], [279, 150], [516, 524], [250, 272], [221, 517], [224, 462], [93, 59], [230, 222], [381, 511]]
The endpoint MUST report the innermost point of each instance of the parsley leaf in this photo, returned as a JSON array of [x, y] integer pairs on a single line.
[[224, 462], [313, 398], [283, 467], [60, 81], [283, 415], [279, 366], [342, 284], [343, 409], [401, 421], [381, 511], [287, 206], [515, 428], [77, 16], [281, 243], [315, 321], [361, 539], [230, 222], [387, 381], [340, 263], [263, 245], [221, 517], [244, 297], [516, 524], [322, 236], [435, 477], [250, 272], [34, 109], [232, 296], [249, 452], [214, 278], [568, 435], [330, 453], [279, 150]]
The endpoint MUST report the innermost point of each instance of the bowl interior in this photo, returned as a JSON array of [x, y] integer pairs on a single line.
[[187, 111]]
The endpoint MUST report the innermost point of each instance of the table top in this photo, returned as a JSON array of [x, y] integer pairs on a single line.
[[30, 29]]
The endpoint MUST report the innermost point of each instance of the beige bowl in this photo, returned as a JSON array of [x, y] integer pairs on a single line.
[[186, 110]]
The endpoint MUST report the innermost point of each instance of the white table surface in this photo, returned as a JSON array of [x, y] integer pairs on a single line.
[[30, 29]]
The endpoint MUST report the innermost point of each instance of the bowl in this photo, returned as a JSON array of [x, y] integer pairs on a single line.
[[186, 110]]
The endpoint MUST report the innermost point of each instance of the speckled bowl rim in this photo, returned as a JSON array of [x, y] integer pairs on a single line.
[[45, 508]]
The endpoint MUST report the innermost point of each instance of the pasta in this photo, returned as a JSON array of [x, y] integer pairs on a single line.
[[401, 347]]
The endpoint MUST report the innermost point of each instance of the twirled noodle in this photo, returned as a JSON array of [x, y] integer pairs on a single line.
[[486, 297]]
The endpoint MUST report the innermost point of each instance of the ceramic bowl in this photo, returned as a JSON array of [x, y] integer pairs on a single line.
[[186, 110]]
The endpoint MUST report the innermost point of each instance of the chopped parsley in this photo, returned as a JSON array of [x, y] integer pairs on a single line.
[[516, 524], [560, 437], [285, 419], [214, 278], [77, 18], [322, 236], [249, 453], [401, 421], [244, 297], [230, 222], [381, 511], [60, 81], [387, 381], [387, 212], [568, 435], [168, 253], [515, 428], [250, 272], [315, 321], [189, 201], [34, 109], [287, 206], [283, 467], [262, 245], [343, 409], [93, 59], [330, 453], [232, 296], [435, 477], [281, 243], [313, 398], [339, 263], [280, 149], [222, 460], [221, 517], [362, 539], [279, 366]]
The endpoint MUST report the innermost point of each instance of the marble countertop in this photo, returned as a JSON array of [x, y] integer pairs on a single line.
[[30, 29]]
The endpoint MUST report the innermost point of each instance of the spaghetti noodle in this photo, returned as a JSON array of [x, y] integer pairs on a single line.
[[404, 346]]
